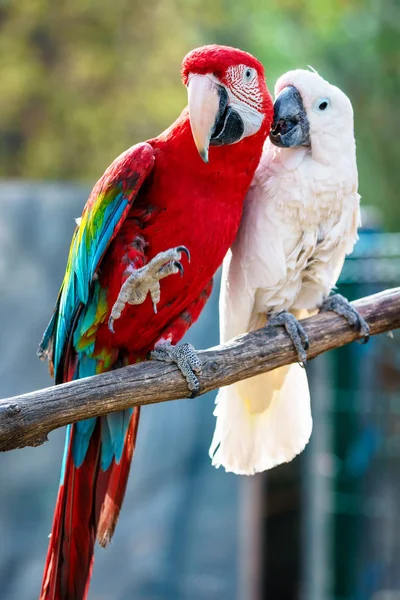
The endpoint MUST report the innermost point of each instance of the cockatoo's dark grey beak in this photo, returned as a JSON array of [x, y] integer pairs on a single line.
[[290, 127]]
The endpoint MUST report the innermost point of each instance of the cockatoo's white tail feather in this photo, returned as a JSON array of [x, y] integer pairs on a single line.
[[252, 436]]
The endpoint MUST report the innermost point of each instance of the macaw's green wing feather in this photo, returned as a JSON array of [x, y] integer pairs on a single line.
[[102, 218]]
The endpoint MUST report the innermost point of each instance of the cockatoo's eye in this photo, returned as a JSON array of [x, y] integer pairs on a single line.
[[322, 104], [248, 74]]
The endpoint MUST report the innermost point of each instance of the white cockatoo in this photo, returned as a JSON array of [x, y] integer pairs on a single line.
[[300, 220]]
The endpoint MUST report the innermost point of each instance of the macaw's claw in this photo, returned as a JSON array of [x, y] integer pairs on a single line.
[[295, 331], [179, 266], [341, 306], [147, 280], [185, 251], [186, 359]]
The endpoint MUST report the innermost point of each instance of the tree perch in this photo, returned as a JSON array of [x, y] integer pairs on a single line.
[[27, 419]]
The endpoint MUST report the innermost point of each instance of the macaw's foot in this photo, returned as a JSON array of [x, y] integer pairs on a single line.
[[186, 359], [147, 279], [341, 306], [295, 331]]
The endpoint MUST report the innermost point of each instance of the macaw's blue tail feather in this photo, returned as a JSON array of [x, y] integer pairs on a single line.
[[113, 431], [83, 434], [88, 504], [113, 426], [111, 484]]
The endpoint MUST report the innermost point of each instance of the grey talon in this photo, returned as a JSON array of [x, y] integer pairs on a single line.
[[341, 306], [295, 331], [179, 266], [146, 280], [185, 358], [185, 251], [111, 324]]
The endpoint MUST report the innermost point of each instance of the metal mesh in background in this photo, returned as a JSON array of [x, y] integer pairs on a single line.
[[351, 486]]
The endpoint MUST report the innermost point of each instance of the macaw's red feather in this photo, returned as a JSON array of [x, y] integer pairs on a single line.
[[76, 552], [88, 505], [111, 486], [70, 555], [216, 60], [155, 196]]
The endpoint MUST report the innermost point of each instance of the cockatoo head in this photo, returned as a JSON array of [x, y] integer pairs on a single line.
[[310, 112]]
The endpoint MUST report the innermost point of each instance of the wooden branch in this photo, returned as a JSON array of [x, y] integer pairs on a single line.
[[26, 420]]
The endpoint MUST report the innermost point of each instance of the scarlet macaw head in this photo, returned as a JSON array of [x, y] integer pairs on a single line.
[[228, 96]]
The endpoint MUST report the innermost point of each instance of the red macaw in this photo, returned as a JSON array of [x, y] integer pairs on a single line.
[[154, 201]]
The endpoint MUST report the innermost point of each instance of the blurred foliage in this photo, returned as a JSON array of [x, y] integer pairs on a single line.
[[83, 80]]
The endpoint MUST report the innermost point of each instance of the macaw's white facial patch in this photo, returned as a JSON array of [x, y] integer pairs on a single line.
[[252, 119], [245, 97]]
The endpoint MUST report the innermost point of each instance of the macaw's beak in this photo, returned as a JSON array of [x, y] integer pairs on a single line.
[[205, 106], [213, 121], [290, 127]]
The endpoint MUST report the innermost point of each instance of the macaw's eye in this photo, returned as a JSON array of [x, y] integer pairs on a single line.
[[248, 74]]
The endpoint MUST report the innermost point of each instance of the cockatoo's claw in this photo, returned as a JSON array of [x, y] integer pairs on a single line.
[[341, 306], [186, 359], [147, 280], [295, 331]]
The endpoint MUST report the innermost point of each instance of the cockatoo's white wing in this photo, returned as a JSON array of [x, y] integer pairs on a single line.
[[265, 420], [256, 261]]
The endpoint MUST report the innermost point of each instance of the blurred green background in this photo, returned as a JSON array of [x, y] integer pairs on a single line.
[[83, 80], [80, 82]]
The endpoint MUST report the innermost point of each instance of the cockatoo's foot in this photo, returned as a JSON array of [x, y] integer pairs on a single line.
[[147, 279], [186, 359], [341, 306], [295, 331]]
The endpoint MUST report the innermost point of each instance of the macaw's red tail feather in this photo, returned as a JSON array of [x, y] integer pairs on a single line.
[[111, 486], [50, 569], [88, 503], [70, 555]]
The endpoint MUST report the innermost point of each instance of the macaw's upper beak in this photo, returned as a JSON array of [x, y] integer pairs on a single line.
[[205, 107], [214, 122], [290, 127]]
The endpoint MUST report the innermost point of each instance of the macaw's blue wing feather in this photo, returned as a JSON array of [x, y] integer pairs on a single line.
[[102, 218], [69, 339]]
